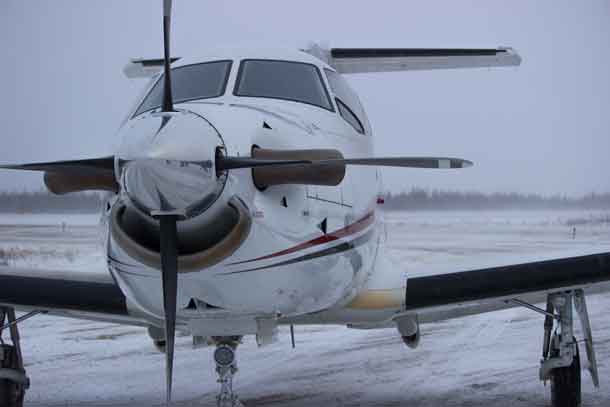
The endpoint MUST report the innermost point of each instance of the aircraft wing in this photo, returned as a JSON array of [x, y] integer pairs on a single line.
[[445, 296], [363, 60], [96, 296], [85, 295]]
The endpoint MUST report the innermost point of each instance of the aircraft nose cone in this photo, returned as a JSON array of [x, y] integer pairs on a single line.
[[166, 163]]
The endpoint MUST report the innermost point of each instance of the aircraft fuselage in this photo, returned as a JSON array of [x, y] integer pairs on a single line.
[[308, 248]]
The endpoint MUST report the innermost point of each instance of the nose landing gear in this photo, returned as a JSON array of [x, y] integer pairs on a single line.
[[226, 367]]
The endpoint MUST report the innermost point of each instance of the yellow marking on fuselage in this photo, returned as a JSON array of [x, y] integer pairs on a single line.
[[379, 299]]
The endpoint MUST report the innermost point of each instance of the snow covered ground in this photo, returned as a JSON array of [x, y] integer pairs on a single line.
[[484, 360]]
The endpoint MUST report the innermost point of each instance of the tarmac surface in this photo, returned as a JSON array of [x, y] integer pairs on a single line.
[[484, 360]]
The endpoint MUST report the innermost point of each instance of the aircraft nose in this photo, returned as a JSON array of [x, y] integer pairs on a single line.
[[166, 163]]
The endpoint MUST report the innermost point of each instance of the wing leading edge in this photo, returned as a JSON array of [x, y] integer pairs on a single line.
[[452, 295], [81, 295]]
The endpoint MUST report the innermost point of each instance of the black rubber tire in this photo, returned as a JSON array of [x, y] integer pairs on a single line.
[[11, 393], [566, 384]]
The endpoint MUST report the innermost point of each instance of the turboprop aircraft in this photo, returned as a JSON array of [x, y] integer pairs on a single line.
[[244, 195]]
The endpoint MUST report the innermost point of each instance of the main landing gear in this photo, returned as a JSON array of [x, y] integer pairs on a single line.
[[226, 367], [13, 381], [560, 362]]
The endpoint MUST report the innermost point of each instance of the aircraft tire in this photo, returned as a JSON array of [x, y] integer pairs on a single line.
[[566, 384], [11, 393]]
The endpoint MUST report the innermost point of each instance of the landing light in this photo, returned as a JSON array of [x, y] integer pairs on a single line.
[[224, 355]]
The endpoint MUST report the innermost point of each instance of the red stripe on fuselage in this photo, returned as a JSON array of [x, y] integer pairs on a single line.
[[355, 227]]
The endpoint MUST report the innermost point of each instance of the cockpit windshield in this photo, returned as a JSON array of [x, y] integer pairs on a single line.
[[190, 82], [287, 80]]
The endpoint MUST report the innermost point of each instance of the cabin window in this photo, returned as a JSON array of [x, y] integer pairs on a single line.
[[286, 80], [348, 102], [190, 82]]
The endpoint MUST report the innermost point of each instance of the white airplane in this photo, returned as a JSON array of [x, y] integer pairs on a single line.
[[245, 196]]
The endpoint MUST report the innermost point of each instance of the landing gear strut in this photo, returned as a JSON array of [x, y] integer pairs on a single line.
[[226, 367], [13, 381], [560, 356]]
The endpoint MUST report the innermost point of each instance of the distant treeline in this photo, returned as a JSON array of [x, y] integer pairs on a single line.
[[423, 199], [416, 199], [45, 202]]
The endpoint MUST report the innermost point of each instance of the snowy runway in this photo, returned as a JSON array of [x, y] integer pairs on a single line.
[[485, 360]]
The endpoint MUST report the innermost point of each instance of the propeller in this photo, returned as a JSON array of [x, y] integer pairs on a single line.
[[99, 174]]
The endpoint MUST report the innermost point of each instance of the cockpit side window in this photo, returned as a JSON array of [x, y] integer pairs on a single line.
[[190, 82], [349, 116], [287, 80], [347, 100]]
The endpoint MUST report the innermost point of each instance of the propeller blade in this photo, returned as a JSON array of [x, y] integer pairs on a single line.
[[407, 162], [169, 272], [105, 164], [168, 103], [61, 177], [231, 163]]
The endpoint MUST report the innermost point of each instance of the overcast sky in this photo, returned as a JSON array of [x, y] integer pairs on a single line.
[[543, 127]]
